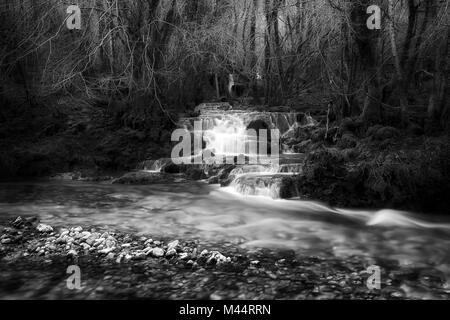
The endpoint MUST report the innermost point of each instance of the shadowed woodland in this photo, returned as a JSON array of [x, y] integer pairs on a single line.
[[107, 96], [88, 180]]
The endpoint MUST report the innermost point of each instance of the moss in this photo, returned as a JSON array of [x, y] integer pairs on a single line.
[[410, 173]]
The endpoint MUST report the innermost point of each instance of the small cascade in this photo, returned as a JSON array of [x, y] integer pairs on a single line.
[[223, 129], [153, 165]]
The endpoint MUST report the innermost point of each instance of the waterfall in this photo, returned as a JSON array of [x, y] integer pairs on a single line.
[[225, 129]]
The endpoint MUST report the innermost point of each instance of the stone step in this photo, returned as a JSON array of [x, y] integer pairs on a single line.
[[276, 186]]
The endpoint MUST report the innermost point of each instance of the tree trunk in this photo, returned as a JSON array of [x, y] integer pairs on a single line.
[[437, 97], [398, 68], [367, 43]]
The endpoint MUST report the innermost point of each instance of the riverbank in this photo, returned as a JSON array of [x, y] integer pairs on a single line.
[[347, 166], [345, 163], [115, 265]]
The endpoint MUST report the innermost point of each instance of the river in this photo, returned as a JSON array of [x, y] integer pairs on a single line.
[[196, 210]]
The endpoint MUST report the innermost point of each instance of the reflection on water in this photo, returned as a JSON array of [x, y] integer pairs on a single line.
[[199, 211]]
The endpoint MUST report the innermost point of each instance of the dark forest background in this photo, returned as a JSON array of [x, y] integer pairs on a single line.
[[108, 96]]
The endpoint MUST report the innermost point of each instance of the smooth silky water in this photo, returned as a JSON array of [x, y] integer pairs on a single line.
[[208, 213], [196, 210]]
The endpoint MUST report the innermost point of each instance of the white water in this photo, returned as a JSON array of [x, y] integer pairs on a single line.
[[223, 133], [209, 213]]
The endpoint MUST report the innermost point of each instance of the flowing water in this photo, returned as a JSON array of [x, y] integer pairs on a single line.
[[195, 210]]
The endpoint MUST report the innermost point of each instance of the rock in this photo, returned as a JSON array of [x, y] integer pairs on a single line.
[[105, 235], [277, 186], [86, 234], [140, 255], [195, 173], [215, 296], [254, 263], [78, 229], [91, 240], [72, 253], [194, 253], [18, 222], [6, 241], [190, 263], [183, 256], [204, 253], [173, 245], [106, 250], [217, 258], [171, 253], [157, 252], [85, 246], [44, 228]]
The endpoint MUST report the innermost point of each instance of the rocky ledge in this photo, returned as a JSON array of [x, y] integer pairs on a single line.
[[34, 259]]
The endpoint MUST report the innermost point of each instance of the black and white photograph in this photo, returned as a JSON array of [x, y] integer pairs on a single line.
[[223, 155]]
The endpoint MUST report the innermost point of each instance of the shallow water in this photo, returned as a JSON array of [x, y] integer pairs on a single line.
[[195, 210]]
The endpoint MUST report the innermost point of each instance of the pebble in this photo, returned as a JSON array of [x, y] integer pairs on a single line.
[[86, 234], [64, 233], [217, 258], [173, 245], [215, 296], [171, 253], [140, 255], [190, 263], [6, 241], [106, 250], [184, 256], [44, 228], [157, 252]]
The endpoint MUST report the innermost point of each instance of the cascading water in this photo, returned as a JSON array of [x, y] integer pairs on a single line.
[[243, 213], [222, 129], [223, 133]]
